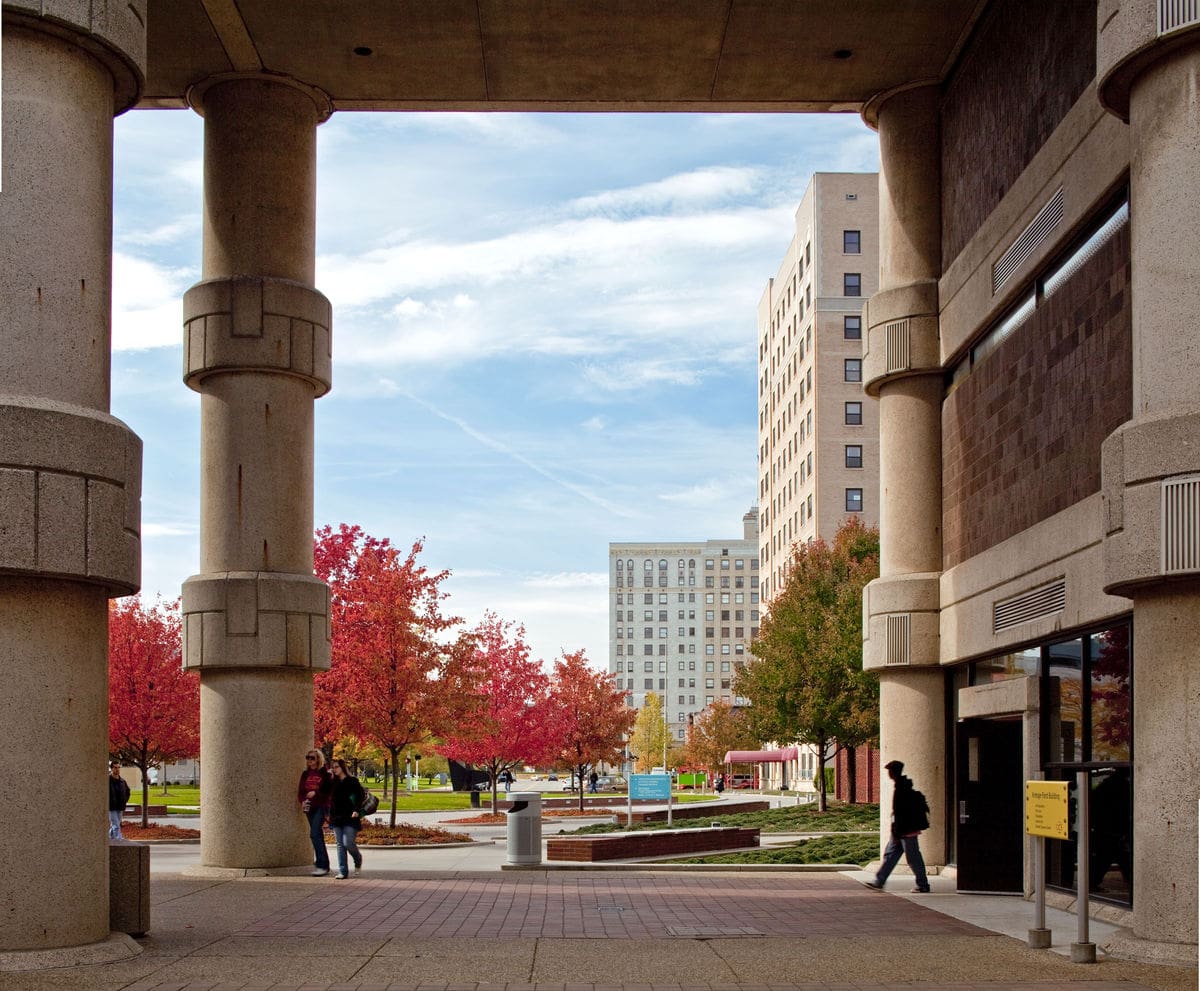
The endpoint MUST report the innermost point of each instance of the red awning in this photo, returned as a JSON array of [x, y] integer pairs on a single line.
[[761, 756]]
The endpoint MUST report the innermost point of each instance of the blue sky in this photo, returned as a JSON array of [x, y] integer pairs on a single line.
[[544, 336]]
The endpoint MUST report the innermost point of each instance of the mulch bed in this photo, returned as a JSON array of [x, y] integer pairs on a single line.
[[157, 831], [499, 818], [374, 835]]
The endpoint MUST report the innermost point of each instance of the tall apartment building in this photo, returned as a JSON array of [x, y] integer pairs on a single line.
[[681, 618], [818, 432]]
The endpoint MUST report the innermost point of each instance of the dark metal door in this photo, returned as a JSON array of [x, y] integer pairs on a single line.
[[990, 794]]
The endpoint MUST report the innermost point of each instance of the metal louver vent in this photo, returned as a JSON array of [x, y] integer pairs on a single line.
[[898, 639], [897, 346], [1048, 218], [1174, 15], [1037, 603], [1181, 524]]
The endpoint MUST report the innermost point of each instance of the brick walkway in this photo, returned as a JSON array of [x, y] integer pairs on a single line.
[[607, 906]]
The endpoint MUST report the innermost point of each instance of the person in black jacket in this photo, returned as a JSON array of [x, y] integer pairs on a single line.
[[910, 815], [118, 798], [346, 800]]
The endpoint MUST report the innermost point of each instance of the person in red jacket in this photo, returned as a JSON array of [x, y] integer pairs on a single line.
[[313, 794]]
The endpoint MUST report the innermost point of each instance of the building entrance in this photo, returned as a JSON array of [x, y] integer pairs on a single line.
[[990, 834]]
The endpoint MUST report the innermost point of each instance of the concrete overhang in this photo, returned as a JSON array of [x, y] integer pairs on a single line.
[[591, 55]]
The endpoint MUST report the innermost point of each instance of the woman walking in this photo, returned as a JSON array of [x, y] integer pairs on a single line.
[[313, 794], [346, 800]]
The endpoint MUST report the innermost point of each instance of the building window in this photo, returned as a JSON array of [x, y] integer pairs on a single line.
[[852, 242], [853, 369], [853, 455], [852, 328], [853, 414], [852, 284], [854, 501]]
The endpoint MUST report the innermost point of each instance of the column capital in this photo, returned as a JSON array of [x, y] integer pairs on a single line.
[[1131, 36], [903, 337], [241, 619], [70, 494], [322, 104], [901, 622], [1151, 494], [112, 31], [257, 324]]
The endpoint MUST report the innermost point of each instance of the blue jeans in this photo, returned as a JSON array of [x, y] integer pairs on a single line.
[[911, 848], [347, 842], [316, 832], [114, 825]]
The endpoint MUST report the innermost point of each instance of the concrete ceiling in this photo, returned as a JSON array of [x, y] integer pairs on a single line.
[[734, 55]]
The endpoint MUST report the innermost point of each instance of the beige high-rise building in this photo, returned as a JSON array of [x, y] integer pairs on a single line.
[[681, 618], [818, 431]]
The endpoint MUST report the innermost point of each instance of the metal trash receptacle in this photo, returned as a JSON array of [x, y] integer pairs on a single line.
[[525, 828]]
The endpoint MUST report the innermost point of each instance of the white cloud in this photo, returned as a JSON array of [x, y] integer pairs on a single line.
[[155, 531], [683, 190], [147, 308], [594, 424], [183, 228], [568, 579]]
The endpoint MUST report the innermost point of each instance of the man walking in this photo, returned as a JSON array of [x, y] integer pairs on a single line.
[[910, 814], [118, 798]]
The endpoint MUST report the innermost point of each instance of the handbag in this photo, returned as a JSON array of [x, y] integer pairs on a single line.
[[368, 805]]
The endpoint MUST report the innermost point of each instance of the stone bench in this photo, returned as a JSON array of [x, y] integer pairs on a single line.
[[128, 887], [649, 843]]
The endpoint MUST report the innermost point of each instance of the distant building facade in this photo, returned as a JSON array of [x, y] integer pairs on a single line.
[[682, 615], [818, 431]]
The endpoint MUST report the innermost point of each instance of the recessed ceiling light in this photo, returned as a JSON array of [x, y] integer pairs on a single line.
[[842, 53], [363, 50]]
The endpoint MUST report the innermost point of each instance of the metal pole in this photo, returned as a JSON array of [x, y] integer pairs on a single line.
[[1082, 951]]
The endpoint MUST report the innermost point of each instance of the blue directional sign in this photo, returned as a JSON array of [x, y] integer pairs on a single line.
[[653, 786]]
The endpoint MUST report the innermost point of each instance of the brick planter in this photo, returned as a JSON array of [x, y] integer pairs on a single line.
[[657, 843]]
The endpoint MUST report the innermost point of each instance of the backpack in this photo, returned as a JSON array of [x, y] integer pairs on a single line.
[[368, 805], [920, 809]]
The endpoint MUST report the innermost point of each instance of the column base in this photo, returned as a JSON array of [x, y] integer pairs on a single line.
[[118, 946], [1125, 945]]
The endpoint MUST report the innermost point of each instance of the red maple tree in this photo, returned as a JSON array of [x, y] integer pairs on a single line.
[[517, 723], [594, 715], [396, 680], [153, 703]]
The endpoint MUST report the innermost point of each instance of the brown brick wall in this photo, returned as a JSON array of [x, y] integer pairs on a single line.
[[1025, 65], [866, 771], [1021, 435]]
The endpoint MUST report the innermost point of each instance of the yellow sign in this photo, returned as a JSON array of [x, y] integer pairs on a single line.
[[1046, 809]]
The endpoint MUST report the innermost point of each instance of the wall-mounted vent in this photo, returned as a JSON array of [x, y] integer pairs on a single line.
[[1181, 524], [898, 639], [1038, 603], [1048, 218], [897, 346], [1175, 15]]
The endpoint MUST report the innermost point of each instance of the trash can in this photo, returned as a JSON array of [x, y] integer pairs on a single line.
[[474, 798], [525, 828]]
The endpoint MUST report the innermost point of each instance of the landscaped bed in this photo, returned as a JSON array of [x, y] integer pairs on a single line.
[[838, 818], [376, 834], [850, 849]]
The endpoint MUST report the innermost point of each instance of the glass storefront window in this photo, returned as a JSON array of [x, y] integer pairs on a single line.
[[1064, 702], [1110, 695], [1006, 666]]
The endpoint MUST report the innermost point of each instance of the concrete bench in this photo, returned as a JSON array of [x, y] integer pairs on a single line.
[[128, 887], [649, 843]]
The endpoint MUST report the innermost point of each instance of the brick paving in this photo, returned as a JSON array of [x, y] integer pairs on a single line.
[[607, 906]]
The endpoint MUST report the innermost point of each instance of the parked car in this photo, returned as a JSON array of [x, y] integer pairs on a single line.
[[552, 777], [742, 781]]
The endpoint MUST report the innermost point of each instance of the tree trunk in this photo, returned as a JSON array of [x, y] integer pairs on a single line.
[[143, 766], [164, 777], [395, 784]]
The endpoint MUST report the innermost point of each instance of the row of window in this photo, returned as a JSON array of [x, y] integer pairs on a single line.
[[739, 564], [709, 581], [709, 614], [648, 667], [739, 598], [739, 649]]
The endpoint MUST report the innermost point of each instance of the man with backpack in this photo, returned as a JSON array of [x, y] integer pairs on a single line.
[[910, 814]]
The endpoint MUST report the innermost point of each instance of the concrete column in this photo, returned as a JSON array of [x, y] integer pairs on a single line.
[[70, 487], [902, 366], [1149, 74], [257, 349]]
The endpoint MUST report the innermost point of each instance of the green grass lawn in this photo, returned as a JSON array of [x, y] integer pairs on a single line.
[[850, 849], [792, 819]]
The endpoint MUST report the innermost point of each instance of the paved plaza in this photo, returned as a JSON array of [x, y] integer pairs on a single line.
[[630, 929]]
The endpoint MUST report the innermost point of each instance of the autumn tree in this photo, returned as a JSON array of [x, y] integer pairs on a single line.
[[516, 724], [153, 703], [714, 732], [399, 678], [806, 682], [594, 713], [649, 736]]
